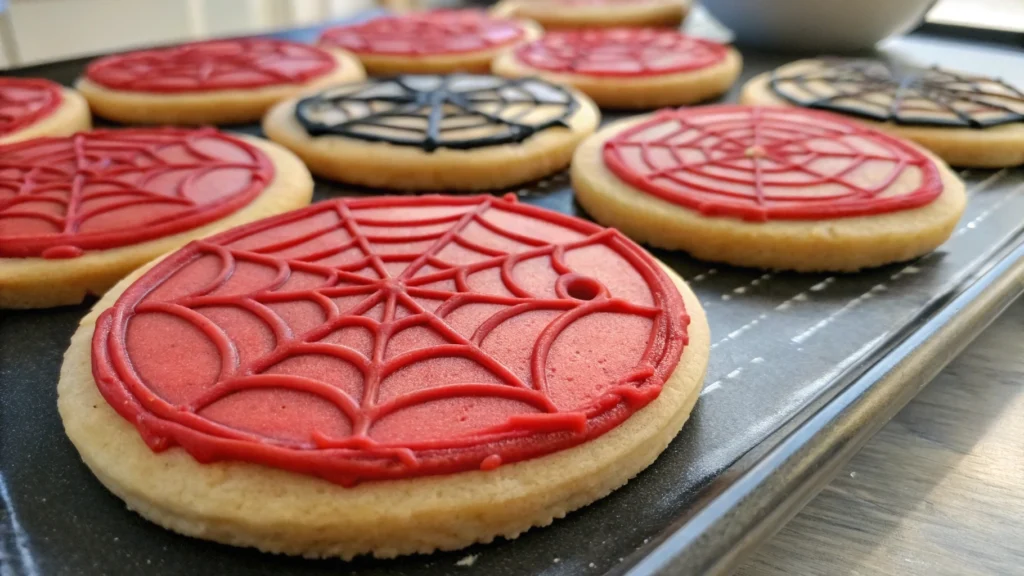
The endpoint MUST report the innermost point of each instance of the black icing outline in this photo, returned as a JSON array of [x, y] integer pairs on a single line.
[[414, 99], [881, 77]]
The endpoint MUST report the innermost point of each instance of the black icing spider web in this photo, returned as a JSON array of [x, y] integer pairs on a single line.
[[431, 112], [879, 91]]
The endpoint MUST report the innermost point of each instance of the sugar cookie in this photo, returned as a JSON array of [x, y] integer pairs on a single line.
[[627, 67], [214, 82], [454, 133], [436, 42], [552, 14], [80, 212], [781, 188], [967, 120], [383, 375], [34, 107]]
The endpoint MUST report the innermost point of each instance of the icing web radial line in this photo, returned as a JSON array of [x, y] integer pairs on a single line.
[[111, 188], [764, 163], [457, 111], [879, 91], [394, 315]]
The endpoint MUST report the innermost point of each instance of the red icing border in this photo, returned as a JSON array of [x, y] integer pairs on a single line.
[[620, 52], [105, 189], [757, 163], [426, 34], [25, 101], [213, 65], [400, 283]]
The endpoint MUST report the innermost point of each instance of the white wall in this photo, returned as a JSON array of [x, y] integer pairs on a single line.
[[46, 30]]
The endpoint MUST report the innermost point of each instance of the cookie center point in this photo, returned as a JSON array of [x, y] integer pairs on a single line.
[[755, 152]]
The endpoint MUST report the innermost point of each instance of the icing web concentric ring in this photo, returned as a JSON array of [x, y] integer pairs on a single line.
[[389, 337], [771, 163], [109, 188], [430, 112], [879, 91], [25, 101], [213, 65], [426, 33], [620, 52]]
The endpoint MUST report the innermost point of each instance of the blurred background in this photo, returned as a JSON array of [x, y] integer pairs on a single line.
[[34, 31]]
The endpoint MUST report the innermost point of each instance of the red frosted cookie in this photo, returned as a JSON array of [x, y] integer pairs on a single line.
[[627, 67], [447, 356], [78, 213], [213, 82], [33, 107], [553, 14], [435, 42], [768, 187]]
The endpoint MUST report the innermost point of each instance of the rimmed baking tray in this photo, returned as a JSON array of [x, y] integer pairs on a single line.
[[804, 368]]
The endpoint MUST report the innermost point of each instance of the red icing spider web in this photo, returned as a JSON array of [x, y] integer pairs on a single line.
[[214, 65], [25, 101], [771, 163], [108, 188], [390, 337], [620, 52], [426, 33]]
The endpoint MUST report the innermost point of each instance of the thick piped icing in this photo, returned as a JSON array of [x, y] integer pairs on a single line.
[[460, 111], [437, 32], [909, 96], [622, 52], [390, 337], [771, 163], [25, 101], [214, 65], [61, 197]]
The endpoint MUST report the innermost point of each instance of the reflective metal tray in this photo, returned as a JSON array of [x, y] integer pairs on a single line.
[[804, 368]]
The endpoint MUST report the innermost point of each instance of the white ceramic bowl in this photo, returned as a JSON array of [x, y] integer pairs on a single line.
[[817, 25]]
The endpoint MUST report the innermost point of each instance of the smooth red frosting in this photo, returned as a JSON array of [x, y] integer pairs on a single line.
[[389, 337], [109, 188], [213, 65], [426, 33], [620, 52], [771, 163], [25, 101]]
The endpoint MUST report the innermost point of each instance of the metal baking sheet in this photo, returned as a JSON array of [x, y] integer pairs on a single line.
[[804, 367]]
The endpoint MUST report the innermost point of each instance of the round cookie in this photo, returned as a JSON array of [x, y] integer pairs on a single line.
[[453, 133], [780, 188], [435, 42], [214, 82], [384, 376], [554, 14], [34, 107], [968, 120], [627, 68], [78, 213]]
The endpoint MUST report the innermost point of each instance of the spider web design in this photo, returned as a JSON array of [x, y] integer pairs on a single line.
[[387, 337], [213, 65], [879, 91], [25, 101], [457, 111], [620, 52], [110, 188], [764, 163], [426, 33]]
